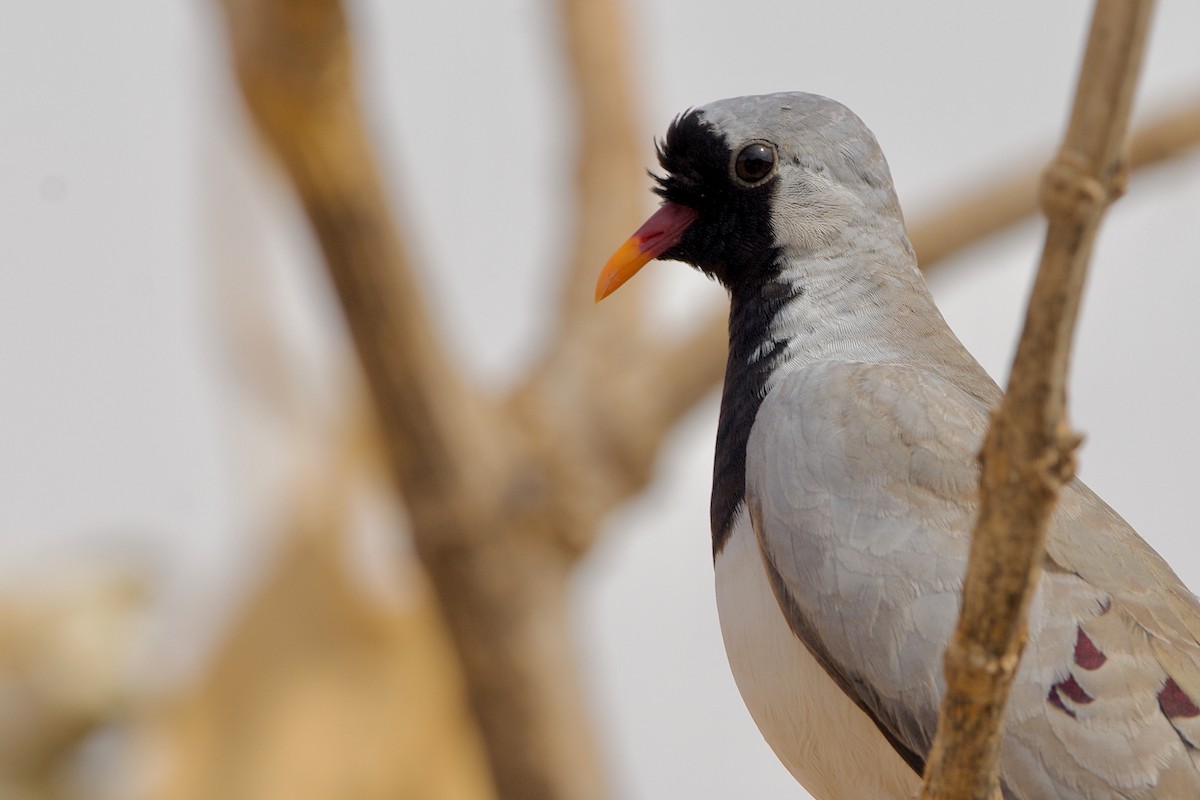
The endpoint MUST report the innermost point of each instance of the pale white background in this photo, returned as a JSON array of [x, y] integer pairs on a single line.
[[128, 182]]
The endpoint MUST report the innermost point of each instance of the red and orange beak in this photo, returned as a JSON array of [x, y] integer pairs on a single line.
[[656, 236]]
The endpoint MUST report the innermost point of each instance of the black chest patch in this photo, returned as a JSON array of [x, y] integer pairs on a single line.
[[753, 356], [732, 241]]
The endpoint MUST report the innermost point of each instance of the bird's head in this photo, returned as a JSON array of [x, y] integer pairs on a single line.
[[751, 181]]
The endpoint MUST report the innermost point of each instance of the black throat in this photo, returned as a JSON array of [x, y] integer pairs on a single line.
[[731, 240], [753, 355]]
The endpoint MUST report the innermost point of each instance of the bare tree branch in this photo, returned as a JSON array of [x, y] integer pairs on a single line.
[[1029, 453], [481, 506], [293, 65]]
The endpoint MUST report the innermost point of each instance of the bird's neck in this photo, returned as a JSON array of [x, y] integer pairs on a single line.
[[855, 304]]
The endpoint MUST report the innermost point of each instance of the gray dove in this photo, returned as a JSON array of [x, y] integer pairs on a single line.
[[845, 482]]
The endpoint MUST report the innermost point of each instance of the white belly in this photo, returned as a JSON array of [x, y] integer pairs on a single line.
[[825, 741]]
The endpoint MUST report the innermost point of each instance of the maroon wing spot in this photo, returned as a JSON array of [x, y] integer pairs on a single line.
[[1071, 688], [1087, 655], [1175, 703], [1057, 702]]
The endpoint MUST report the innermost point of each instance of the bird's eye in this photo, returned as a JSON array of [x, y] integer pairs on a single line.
[[754, 162]]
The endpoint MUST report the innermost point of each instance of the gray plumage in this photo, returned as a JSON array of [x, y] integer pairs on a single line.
[[864, 418]]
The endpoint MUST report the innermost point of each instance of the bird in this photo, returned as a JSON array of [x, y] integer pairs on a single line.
[[845, 485]]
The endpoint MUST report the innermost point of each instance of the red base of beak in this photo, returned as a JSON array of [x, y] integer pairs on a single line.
[[657, 235]]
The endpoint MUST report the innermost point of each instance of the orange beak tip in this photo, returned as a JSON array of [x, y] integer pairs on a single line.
[[623, 265], [656, 236]]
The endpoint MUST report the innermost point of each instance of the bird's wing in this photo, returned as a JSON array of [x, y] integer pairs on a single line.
[[861, 483]]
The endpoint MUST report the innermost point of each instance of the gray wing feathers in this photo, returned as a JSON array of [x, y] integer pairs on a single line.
[[861, 516], [861, 482]]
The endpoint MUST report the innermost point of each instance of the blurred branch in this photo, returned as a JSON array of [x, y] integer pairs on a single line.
[[64, 647], [938, 238], [609, 168], [1029, 452], [983, 213], [477, 500], [601, 436], [323, 688], [294, 69]]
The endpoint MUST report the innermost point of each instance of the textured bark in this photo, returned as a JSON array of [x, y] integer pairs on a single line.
[[1029, 452]]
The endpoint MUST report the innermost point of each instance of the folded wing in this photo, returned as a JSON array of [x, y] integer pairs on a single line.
[[861, 483]]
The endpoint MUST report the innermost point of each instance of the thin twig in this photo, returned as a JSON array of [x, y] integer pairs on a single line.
[[1029, 452]]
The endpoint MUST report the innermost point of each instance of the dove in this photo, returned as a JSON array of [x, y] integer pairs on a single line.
[[845, 488]]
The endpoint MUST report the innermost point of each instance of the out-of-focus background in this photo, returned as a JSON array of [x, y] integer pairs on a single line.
[[176, 386]]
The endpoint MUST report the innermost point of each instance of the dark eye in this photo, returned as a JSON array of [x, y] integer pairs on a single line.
[[754, 162]]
